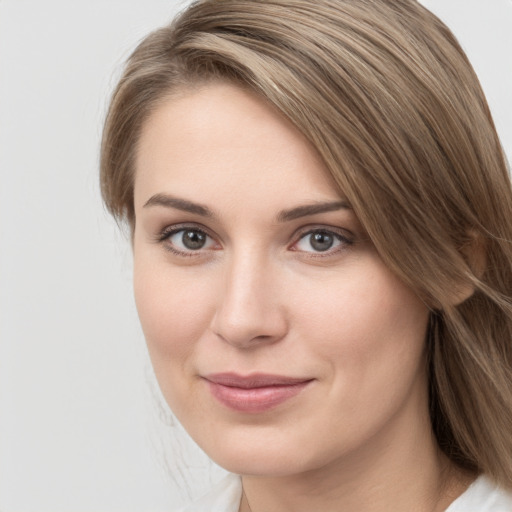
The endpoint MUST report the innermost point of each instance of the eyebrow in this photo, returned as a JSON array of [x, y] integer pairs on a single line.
[[185, 205], [180, 204], [312, 209]]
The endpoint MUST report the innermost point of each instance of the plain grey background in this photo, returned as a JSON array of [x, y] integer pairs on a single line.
[[82, 427]]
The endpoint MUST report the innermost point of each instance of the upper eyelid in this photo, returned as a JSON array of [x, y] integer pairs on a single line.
[[306, 230], [176, 228]]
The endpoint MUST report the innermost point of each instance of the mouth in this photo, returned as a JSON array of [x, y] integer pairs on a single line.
[[254, 393]]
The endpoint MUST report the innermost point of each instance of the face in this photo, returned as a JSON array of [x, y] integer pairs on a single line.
[[279, 338]]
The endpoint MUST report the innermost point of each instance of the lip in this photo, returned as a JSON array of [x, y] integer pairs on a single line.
[[256, 392]]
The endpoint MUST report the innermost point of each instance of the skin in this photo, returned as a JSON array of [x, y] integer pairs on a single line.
[[259, 297]]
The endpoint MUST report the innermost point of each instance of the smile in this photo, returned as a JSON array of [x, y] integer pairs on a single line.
[[254, 393]]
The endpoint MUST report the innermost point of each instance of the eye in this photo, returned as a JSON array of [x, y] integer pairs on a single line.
[[321, 241], [185, 241]]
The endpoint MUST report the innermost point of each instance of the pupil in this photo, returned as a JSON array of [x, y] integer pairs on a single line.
[[193, 239], [321, 241]]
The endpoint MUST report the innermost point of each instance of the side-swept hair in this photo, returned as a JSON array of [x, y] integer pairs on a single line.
[[389, 100]]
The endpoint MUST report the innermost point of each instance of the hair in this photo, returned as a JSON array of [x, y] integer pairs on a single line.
[[386, 95]]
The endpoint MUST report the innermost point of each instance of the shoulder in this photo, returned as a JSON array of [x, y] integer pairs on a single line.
[[483, 496], [224, 497]]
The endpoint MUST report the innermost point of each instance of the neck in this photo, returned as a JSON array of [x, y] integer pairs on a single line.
[[400, 470]]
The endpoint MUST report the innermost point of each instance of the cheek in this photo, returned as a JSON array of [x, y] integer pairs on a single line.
[[174, 311], [369, 331], [369, 328]]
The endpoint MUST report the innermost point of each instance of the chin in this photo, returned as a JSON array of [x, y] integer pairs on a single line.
[[262, 454], [264, 465]]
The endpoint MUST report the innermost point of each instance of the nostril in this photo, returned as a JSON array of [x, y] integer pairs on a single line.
[[243, 336], [244, 315], [262, 337]]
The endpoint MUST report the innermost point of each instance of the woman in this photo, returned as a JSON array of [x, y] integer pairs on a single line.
[[321, 220]]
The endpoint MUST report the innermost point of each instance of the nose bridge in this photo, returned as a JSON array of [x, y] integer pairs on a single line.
[[248, 308]]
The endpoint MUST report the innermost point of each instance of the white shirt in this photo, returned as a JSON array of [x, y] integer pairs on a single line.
[[481, 496]]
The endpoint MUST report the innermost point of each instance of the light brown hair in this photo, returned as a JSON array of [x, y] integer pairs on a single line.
[[388, 98]]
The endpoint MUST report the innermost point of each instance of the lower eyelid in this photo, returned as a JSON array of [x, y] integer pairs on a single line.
[[183, 254]]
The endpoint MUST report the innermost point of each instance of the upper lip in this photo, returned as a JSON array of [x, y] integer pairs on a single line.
[[256, 380]]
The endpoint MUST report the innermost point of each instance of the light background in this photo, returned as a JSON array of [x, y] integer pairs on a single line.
[[82, 428]]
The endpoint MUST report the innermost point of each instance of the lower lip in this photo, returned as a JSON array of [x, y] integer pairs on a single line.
[[254, 400]]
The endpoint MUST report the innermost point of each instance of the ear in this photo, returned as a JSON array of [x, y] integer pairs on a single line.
[[473, 251]]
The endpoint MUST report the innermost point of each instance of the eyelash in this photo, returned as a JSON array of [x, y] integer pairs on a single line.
[[344, 240], [170, 231]]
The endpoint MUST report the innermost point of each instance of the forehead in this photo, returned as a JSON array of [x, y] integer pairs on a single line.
[[222, 141]]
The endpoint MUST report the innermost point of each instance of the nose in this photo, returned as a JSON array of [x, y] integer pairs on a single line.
[[249, 309]]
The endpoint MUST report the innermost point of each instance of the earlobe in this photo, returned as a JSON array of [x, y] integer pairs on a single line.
[[473, 251]]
